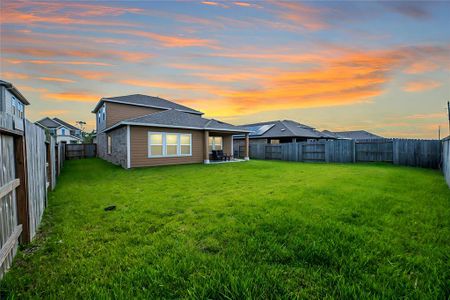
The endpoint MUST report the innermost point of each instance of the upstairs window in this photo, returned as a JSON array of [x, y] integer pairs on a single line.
[[13, 105], [63, 131]]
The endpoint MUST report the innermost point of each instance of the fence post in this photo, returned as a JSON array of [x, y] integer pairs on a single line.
[[21, 191], [354, 150]]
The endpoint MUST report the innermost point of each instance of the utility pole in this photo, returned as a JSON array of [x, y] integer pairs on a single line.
[[439, 132]]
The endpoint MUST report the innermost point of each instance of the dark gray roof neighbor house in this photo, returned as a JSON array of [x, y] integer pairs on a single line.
[[353, 135], [283, 131]]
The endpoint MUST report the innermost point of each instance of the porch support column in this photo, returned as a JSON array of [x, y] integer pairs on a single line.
[[205, 147], [246, 146]]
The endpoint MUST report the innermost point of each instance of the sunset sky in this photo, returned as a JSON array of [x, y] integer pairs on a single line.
[[378, 66]]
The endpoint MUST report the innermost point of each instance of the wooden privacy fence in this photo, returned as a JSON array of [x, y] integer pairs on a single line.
[[407, 152], [29, 165], [76, 151]]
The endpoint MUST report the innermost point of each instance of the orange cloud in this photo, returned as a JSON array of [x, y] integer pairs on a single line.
[[62, 13], [213, 3], [72, 97], [170, 41], [245, 4], [426, 116], [308, 17], [78, 53], [419, 86], [167, 84], [14, 75], [54, 112], [421, 67], [55, 62], [55, 79]]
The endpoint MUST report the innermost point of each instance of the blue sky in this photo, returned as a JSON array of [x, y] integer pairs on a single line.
[[378, 66]]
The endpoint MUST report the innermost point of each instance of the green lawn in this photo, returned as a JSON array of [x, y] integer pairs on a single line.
[[261, 229]]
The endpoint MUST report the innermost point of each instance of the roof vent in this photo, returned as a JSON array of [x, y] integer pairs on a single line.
[[283, 129]]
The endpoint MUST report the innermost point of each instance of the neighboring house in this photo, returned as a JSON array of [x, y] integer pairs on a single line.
[[140, 131], [353, 135], [63, 131], [278, 132], [12, 103]]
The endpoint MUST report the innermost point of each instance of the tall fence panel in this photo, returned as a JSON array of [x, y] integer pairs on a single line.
[[52, 163], [417, 153], [9, 228], [313, 152], [37, 174], [339, 151], [407, 152], [446, 159], [379, 150], [77, 151]]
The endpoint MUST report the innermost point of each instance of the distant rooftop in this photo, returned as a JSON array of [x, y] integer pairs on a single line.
[[354, 135], [281, 128]]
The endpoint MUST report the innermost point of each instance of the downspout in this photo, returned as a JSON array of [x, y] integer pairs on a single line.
[[128, 147]]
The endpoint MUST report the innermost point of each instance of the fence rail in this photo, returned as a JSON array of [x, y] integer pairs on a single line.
[[407, 152]]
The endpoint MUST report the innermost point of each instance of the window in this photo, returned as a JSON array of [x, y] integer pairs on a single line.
[[20, 109], [161, 144], [155, 142], [171, 144], [13, 105], [63, 131], [185, 144], [109, 145], [215, 143], [104, 113]]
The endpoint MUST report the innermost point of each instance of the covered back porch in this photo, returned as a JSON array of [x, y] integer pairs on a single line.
[[218, 146]]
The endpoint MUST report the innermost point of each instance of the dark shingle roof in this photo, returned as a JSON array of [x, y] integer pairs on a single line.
[[178, 119], [48, 123], [58, 120], [148, 101], [283, 128], [357, 135]]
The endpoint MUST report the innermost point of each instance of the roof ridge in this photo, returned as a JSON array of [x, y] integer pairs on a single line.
[[153, 113], [282, 122]]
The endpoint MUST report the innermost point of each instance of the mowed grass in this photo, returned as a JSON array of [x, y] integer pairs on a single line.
[[261, 229]]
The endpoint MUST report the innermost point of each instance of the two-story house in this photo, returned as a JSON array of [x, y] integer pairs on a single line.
[[63, 131], [139, 131], [12, 105]]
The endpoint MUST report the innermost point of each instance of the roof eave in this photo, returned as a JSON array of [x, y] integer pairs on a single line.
[[143, 105], [10, 87], [122, 123]]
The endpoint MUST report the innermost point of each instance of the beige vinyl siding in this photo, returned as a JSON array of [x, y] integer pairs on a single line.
[[139, 147], [116, 112]]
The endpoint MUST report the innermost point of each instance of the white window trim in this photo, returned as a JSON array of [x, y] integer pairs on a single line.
[[164, 144]]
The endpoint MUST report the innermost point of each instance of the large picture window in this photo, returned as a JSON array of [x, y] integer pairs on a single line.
[[162, 144], [215, 143]]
